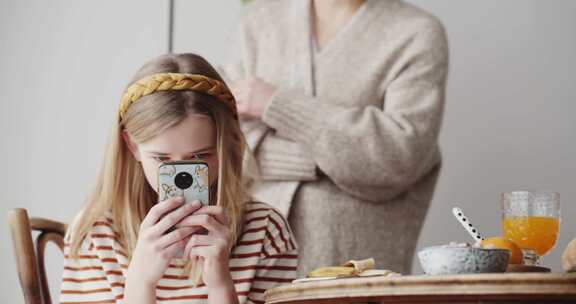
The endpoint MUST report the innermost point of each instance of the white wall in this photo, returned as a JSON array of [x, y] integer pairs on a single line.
[[510, 119], [63, 66], [204, 29], [509, 123]]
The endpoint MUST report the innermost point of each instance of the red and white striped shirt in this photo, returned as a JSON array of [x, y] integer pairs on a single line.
[[264, 256]]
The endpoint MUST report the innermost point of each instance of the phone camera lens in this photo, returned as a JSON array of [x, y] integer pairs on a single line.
[[183, 180]]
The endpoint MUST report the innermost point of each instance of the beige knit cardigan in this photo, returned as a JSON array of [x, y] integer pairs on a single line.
[[348, 147]]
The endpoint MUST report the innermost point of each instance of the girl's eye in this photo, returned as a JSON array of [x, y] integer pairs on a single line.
[[200, 156], [160, 158]]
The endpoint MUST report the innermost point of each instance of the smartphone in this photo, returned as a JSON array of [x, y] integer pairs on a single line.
[[188, 179]]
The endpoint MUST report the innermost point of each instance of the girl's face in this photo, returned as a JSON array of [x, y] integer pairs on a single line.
[[192, 139]]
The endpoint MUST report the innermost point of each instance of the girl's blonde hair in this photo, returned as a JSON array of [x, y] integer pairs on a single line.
[[122, 188]]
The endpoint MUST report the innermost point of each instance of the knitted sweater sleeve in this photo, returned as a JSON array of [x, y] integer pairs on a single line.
[[374, 153], [293, 162]]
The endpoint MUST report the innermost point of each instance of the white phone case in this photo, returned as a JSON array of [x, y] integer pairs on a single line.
[[188, 179]]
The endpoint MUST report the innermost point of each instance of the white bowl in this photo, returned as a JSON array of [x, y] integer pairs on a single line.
[[456, 260]]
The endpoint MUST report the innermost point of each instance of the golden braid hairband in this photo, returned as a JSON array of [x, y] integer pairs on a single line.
[[177, 81]]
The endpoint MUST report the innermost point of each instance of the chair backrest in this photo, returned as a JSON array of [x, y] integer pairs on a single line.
[[30, 256]]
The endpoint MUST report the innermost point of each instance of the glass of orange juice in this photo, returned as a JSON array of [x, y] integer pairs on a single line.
[[531, 219]]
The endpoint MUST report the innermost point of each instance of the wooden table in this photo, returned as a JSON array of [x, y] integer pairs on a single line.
[[470, 288]]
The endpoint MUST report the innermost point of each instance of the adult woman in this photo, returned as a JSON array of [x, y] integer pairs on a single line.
[[342, 103]]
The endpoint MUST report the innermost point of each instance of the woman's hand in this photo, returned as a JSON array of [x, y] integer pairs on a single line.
[[213, 248], [252, 96], [155, 246]]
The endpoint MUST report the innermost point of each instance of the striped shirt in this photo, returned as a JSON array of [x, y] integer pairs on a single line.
[[264, 256]]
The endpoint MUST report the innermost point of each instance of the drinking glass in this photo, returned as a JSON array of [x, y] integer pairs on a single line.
[[531, 219]]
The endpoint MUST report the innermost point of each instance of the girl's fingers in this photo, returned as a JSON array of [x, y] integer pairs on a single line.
[[172, 218], [158, 210], [174, 237], [216, 211], [204, 251], [199, 240], [171, 250], [206, 221], [180, 225]]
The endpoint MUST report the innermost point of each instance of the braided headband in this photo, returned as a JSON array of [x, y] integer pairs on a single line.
[[177, 81]]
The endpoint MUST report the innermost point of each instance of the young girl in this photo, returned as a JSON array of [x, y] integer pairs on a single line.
[[121, 248]]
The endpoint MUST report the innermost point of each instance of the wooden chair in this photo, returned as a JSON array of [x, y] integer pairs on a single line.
[[30, 256]]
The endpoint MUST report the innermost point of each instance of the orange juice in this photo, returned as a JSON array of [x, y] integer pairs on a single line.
[[532, 232]]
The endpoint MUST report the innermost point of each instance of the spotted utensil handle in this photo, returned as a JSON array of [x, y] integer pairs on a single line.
[[466, 223]]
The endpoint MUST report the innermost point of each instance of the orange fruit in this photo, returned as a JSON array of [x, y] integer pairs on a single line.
[[503, 243]]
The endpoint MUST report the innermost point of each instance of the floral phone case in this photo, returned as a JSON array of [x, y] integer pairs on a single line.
[[188, 179]]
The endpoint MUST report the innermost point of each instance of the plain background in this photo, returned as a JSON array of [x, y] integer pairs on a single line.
[[509, 122]]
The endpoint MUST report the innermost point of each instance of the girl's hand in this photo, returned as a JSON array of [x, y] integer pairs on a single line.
[[155, 248], [213, 248]]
